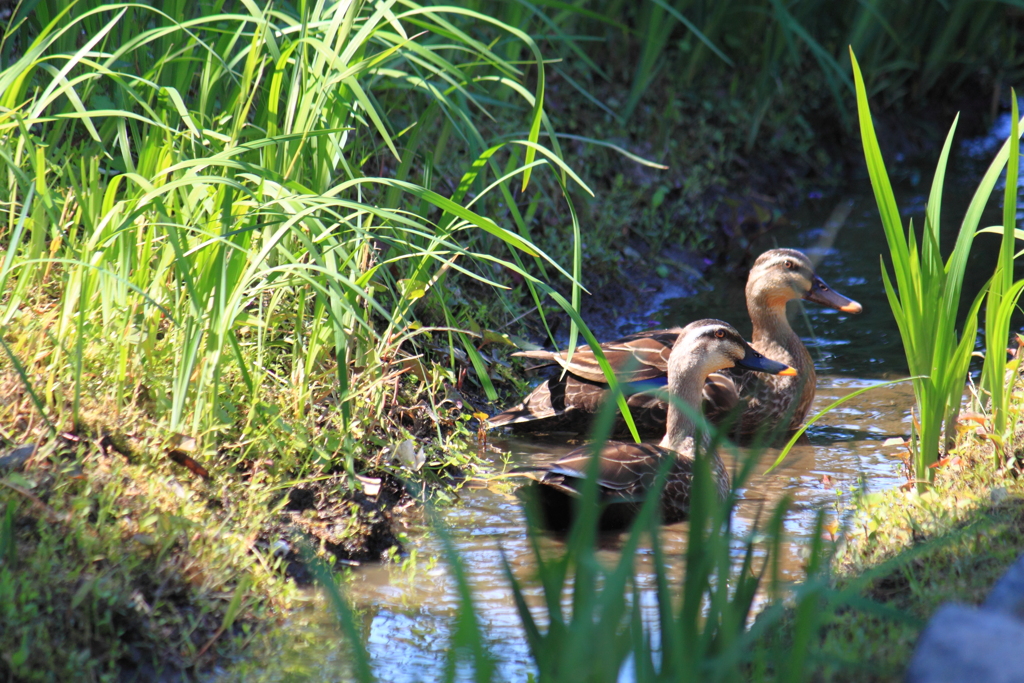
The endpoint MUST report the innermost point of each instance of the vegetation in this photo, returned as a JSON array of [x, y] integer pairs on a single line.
[[698, 630], [217, 251], [275, 245], [907, 551], [910, 47], [913, 552], [936, 358]]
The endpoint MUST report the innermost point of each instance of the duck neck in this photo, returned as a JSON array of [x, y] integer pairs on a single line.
[[768, 314], [686, 382], [771, 326]]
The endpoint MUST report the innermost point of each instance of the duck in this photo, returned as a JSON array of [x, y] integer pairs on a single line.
[[779, 403], [568, 403], [626, 471]]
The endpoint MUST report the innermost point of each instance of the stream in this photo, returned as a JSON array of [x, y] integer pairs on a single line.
[[407, 612]]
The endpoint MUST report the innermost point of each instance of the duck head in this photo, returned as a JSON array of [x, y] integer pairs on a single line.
[[711, 345], [780, 275], [703, 347]]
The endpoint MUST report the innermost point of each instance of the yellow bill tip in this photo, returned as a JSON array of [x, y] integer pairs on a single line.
[[852, 307]]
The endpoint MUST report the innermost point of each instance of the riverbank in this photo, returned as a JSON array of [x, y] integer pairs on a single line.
[[124, 554], [904, 554]]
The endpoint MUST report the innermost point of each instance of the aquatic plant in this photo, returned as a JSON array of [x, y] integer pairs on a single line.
[[703, 626], [925, 299]]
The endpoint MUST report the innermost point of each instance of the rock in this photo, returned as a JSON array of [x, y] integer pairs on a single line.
[[1008, 594], [16, 458], [962, 644]]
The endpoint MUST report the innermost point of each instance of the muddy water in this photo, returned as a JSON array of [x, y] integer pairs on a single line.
[[408, 611]]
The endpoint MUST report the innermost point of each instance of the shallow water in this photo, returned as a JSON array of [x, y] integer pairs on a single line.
[[408, 612]]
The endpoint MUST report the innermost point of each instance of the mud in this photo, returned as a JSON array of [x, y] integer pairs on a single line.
[[351, 526]]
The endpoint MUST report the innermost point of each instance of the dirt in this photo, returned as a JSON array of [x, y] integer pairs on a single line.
[[352, 526]]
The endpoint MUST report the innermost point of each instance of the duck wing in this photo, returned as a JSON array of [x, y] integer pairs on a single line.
[[625, 469], [571, 403], [634, 358], [553, 400], [720, 396]]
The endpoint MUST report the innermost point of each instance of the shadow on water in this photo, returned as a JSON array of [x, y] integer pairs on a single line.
[[408, 611]]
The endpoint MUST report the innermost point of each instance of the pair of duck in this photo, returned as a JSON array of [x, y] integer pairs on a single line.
[[691, 361]]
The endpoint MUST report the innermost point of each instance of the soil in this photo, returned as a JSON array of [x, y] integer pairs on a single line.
[[352, 526]]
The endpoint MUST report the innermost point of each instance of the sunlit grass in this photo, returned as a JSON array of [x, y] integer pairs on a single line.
[[229, 222], [257, 205], [1001, 303]]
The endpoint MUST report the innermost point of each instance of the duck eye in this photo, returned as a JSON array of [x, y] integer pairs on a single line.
[[789, 264], [720, 334]]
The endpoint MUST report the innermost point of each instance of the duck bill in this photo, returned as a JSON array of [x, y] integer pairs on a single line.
[[820, 293], [758, 363]]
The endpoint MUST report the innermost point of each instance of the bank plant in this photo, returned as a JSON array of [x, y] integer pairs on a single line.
[[924, 292], [230, 210], [1001, 300], [243, 222]]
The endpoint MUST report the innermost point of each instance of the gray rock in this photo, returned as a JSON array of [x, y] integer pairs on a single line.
[[1008, 594], [17, 457], [967, 645]]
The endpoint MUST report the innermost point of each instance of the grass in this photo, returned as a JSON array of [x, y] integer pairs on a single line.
[[226, 229], [592, 624], [115, 565], [913, 552], [910, 48], [188, 216], [855, 617], [1001, 302]]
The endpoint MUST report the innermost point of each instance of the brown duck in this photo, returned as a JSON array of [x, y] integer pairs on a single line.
[[641, 361], [626, 471]]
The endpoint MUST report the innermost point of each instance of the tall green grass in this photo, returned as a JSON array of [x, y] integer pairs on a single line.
[[909, 47], [925, 298], [1001, 300], [245, 205]]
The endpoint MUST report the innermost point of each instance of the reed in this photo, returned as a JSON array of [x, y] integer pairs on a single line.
[[1001, 299], [592, 624]]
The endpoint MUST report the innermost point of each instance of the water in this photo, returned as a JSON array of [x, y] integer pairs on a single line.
[[409, 612]]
